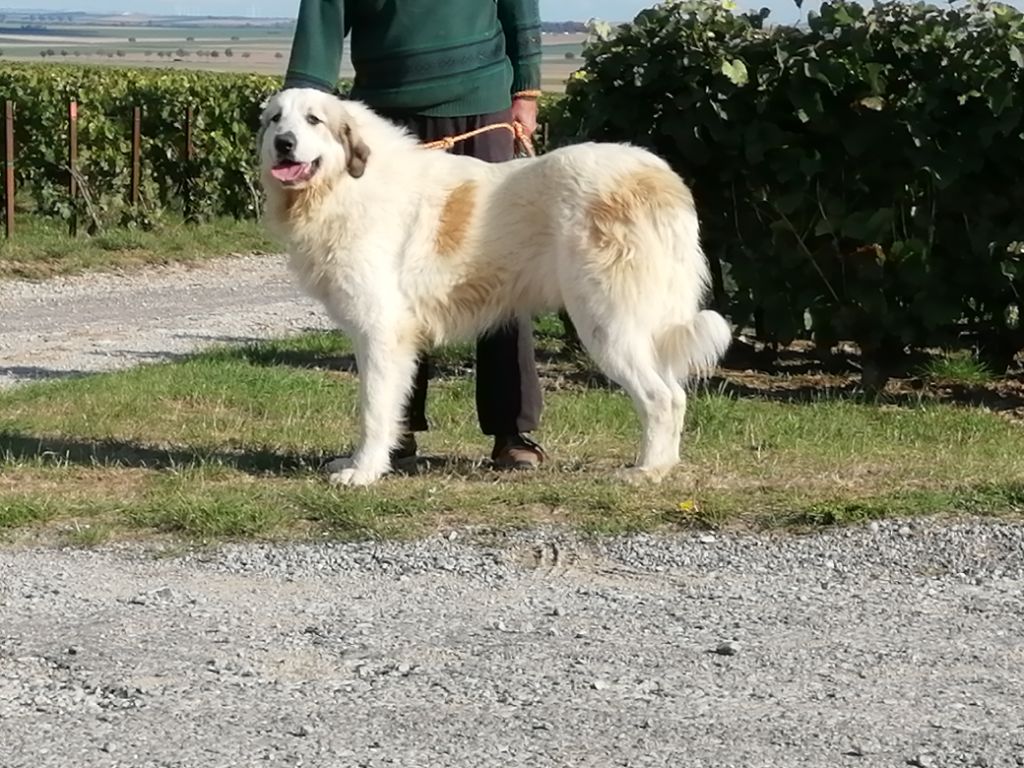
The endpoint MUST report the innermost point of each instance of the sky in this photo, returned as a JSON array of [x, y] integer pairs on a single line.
[[551, 10]]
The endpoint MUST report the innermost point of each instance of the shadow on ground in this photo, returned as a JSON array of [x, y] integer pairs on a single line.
[[16, 447], [22, 447]]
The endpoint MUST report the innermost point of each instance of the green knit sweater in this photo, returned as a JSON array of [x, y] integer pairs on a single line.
[[431, 57]]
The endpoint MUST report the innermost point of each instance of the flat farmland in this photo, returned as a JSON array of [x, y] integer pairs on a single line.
[[231, 46]]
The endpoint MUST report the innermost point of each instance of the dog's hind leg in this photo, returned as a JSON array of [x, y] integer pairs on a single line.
[[634, 365], [679, 402], [386, 370]]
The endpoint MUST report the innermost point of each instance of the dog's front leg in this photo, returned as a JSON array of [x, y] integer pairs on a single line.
[[386, 369]]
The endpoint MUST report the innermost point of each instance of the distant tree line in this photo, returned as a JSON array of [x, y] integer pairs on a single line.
[[560, 27]]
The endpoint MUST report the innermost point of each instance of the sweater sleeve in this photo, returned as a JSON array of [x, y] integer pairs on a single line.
[[315, 60], [520, 21]]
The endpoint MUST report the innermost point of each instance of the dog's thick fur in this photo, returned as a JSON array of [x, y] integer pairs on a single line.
[[408, 247]]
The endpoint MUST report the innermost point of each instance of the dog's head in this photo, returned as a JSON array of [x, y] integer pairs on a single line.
[[305, 134]]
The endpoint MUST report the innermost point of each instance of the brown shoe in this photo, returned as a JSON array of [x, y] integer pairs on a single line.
[[516, 452]]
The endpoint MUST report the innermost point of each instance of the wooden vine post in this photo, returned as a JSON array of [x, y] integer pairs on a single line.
[[190, 153], [136, 154], [9, 168], [73, 166]]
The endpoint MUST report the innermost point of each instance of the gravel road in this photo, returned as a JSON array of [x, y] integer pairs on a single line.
[[889, 645], [98, 322]]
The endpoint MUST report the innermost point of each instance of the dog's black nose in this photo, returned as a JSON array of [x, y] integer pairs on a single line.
[[284, 143]]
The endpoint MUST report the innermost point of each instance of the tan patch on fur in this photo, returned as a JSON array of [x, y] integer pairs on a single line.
[[472, 297], [651, 190], [456, 217]]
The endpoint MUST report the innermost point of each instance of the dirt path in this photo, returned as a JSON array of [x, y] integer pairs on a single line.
[[98, 322]]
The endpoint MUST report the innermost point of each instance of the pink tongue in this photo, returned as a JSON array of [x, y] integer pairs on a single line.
[[290, 171]]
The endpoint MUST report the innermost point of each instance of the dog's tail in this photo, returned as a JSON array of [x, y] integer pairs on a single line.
[[693, 350]]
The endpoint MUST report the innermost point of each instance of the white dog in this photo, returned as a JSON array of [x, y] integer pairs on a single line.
[[408, 247]]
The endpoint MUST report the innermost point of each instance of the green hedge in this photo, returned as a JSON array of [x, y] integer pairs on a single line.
[[861, 177], [222, 177]]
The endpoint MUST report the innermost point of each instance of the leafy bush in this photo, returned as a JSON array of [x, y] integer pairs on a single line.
[[857, 178], [222, 178]]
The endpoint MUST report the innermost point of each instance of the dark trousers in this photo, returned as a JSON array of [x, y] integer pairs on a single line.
[[508, 392]]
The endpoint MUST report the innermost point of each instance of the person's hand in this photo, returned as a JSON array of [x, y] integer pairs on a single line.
[[524, 112]]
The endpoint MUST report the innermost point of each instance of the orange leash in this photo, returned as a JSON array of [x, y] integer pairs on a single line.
[[515, 127]]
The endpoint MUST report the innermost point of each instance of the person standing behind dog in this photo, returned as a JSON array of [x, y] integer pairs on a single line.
[[444, 69]]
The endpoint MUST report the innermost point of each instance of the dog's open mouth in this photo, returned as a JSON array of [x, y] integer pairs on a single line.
[[291, 172]]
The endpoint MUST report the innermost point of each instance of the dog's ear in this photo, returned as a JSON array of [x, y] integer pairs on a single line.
[[358, 152], [355, 148]]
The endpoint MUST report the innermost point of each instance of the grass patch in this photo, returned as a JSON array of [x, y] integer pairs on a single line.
[[210, 513], [87, 536], [957, 368], [227, 445], [16, 512], [42, 247]]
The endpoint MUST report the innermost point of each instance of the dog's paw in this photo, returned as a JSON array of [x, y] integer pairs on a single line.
[[642, 475], [346, 472], [354, 476]]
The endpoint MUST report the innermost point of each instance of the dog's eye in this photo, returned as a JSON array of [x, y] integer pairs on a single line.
[[276, 118], [313, 120]]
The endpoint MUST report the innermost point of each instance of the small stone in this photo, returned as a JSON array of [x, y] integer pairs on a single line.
[[874, 527], [905, 530], [557, 611], [108, 747], [922, 761], [650, 686], [707, 539], [301, 732], [600, 685], [72, 651], [727, 649], [404, 669]]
